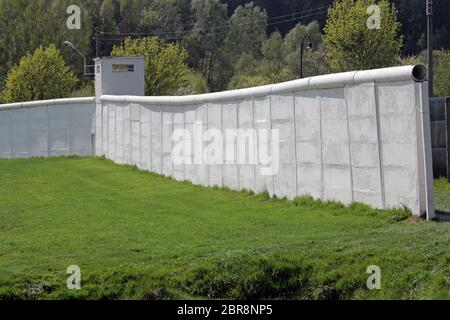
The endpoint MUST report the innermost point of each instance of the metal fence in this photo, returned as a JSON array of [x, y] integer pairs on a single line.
[[440, 136]]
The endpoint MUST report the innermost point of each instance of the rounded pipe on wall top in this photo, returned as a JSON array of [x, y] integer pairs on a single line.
[[39, 103], [417, 73]]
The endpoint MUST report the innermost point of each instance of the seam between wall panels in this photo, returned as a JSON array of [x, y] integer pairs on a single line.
[[29, 131], [10, 134], [349, 145], [322, 184], [223, 147], [102, 150], [237, 146], [203, 149], [115, 133], [271, 142], [295, 144], [255, 148], [48, 133], [184, 143], [172, 127], [150, 140], [107, 130], [140, 137], [161, 141], [69, 131], [114, 156], [380, 147], [123, 135], [130, 153]]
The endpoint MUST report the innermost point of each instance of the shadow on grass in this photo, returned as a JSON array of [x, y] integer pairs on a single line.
[[443, 215]]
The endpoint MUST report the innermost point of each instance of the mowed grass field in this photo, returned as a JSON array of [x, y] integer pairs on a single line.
[[136, 235]]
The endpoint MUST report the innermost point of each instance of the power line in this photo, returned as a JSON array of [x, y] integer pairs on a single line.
[[213, 31], [320, 9]]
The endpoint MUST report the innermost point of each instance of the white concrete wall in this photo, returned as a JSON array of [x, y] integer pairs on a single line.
[[357, 136], [47, 128]]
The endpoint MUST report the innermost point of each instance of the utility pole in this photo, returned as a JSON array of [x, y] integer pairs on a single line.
[[96, 45], [430, 46]]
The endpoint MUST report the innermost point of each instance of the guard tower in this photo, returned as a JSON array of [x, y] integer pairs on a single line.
[[119, 76]]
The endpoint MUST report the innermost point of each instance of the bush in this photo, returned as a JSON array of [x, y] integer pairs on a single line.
[[39, 76], [196, 84], [166, 71], [442, 75], [85, 90]]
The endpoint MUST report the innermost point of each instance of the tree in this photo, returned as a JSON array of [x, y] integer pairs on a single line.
[[167, 18], [107, 23], [412, 15], [271, 68], [165, 64], [273, 65], [441, 69], [313, 60], [352, 45], [130, 11], [247, 73], [442, 75], [206, 42], [39, 76], [195, 84], [27, 24], [248, 27]]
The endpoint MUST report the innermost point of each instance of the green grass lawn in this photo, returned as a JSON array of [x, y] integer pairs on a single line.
[[137, 235]]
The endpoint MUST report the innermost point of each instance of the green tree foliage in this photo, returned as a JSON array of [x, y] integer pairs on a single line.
[[442, 75], [39, 76], [411, 14], [441, 69], [247, 73], [314, 60], [247, 81], [196, 84], [245, 39], [27, 24], [352, 45], [130, 11], [216, 33], [271, 68], [280, 59], [248, 26], [170, 19], [166, 71], [206, 42], [273, 64], [107, 24]]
